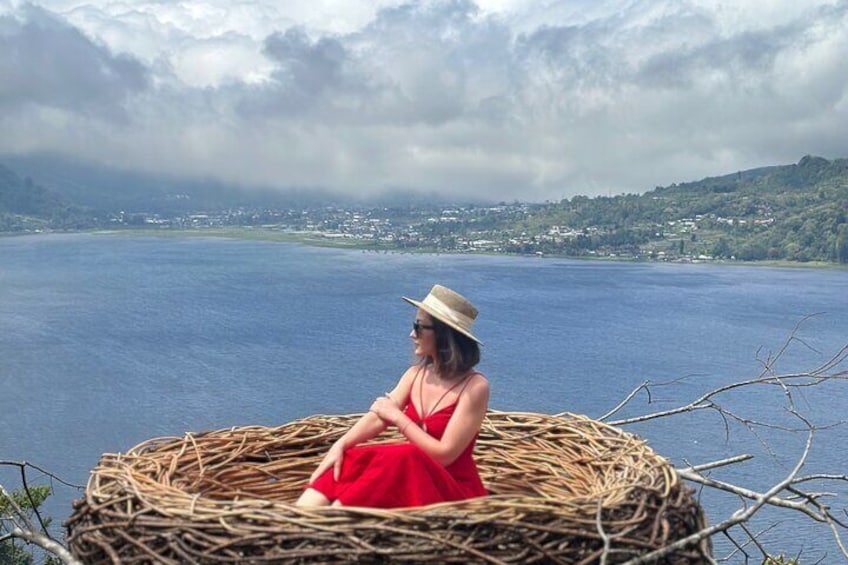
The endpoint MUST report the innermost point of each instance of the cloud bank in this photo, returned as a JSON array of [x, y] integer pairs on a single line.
[[498, 99]]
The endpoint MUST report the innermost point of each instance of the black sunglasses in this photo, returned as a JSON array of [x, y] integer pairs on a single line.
[[418, 326]]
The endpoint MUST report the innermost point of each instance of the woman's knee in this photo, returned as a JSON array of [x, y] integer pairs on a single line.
[[312, 497]]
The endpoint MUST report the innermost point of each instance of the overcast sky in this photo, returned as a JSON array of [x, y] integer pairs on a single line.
[[504, 99]]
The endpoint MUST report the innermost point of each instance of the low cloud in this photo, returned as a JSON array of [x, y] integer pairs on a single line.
[[490, 100], [46, 62]]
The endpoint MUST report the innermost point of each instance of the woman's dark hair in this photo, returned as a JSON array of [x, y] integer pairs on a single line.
[[456, 354]]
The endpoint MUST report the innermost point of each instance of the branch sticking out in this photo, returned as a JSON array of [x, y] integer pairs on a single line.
[[785, 493], [21, 527]]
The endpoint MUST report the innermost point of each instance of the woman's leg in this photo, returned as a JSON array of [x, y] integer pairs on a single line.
[[312, 497]]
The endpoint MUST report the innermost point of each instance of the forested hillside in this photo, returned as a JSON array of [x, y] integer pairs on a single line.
[[28, 206], [795, 212]]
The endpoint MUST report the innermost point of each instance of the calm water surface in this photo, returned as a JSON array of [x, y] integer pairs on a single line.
[[108, 341]]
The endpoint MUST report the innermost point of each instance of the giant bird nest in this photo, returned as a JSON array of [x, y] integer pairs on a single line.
[[563, 489]]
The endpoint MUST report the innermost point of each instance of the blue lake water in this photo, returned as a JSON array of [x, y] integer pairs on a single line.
[[106, 341]]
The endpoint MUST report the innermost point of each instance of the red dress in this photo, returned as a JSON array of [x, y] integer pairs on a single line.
[[402, 474]]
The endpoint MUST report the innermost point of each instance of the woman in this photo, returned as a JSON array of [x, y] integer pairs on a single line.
[[438, 406]]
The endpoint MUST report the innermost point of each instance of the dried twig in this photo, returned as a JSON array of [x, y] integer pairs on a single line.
[[785, 493], [22, 528]]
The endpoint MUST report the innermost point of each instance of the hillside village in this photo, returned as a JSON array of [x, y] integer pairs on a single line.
[[460, 229], [795, 213]]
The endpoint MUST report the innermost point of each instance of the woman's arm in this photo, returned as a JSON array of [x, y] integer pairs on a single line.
[[463, 426], [371, 424], [368, 426]]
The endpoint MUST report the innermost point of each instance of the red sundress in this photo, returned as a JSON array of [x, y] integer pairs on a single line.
[[402, 474]]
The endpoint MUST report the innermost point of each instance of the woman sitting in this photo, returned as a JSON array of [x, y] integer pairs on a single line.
[[438, 405]]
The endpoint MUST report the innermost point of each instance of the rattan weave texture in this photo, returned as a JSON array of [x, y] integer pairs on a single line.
[[560, 487]]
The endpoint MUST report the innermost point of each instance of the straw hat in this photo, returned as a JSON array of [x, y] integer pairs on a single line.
[[449, 307]]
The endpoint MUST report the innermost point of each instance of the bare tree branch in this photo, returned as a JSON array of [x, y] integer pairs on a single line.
[[32, 503], [606, 538], [21, 527], [739, 517], [784, 493], [714, 464], [16, 510], [46, 473], [704, 401], [749, 494], [751, 541], [754, 540], [644, 386], [767, 376], [45, 543]]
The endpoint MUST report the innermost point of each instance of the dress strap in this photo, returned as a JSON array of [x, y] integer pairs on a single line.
[[464, 382], [467, 380], [412, 385]]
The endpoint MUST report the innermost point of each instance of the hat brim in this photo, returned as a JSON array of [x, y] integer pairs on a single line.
[[436, 315]]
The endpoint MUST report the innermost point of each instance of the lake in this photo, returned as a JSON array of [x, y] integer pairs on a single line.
[[110, 340]]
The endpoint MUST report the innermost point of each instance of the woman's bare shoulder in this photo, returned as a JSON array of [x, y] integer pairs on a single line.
[[411, 371], [478, 379], [478, 385], [408, 376], [479, 376]]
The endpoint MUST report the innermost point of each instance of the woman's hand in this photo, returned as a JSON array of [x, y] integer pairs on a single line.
[[333, 458], [386, 409]]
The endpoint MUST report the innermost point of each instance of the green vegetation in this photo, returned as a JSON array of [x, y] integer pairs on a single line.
[[14, 552], [780, 560], [28, 207], [795, 213]]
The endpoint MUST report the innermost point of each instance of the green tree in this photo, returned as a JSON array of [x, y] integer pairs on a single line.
[[721, 249], [28, 501], [841, 246]]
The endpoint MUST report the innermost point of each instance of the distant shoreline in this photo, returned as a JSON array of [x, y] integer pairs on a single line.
[[312, 239]]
